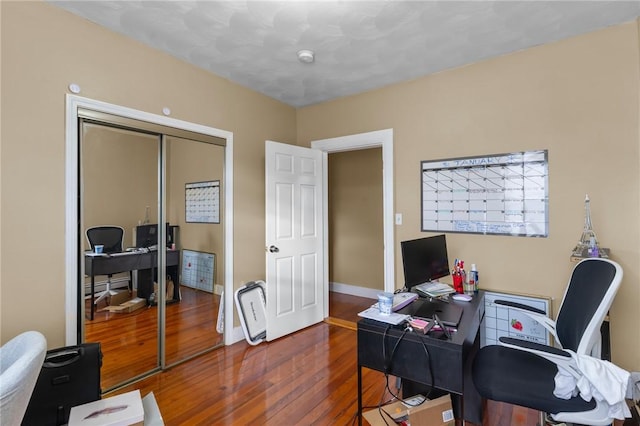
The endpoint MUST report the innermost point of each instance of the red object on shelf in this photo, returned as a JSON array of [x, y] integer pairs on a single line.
[[457, 283]]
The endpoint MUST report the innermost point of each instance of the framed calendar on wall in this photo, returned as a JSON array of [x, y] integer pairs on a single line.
[[202, 202]]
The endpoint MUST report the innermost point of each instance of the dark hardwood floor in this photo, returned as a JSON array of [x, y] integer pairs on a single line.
[[346, 307], [130, 339], [308, 378]]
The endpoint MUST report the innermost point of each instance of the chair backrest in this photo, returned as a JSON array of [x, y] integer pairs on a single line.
[[592, 287], [21, 360], [111, 237]]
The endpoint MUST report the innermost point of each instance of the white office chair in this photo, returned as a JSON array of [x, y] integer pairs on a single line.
[[522, 373], [21, 360], [112, 238]]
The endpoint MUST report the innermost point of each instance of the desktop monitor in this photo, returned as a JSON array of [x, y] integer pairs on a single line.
[[147, 235], [424, 260]]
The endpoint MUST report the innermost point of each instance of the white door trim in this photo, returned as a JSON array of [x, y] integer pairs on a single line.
[[378, 138], [73, 102]]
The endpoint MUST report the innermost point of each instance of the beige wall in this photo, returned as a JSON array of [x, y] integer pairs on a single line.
[[577, 98], [44, 49], [356, 245]]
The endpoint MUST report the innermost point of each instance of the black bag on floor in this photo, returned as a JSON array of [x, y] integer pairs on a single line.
[[69, 376]]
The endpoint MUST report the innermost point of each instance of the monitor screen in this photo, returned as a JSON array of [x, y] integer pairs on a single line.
[[147, 235], [424, 260]]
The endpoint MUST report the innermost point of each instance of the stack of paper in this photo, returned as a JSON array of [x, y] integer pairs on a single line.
[[434, 289], [374, 314]]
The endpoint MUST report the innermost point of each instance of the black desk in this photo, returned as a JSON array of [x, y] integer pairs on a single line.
[[143, 262], [451, 360]]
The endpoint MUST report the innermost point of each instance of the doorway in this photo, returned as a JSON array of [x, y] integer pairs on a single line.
[[377, 139], [356, 243], [140, 167]]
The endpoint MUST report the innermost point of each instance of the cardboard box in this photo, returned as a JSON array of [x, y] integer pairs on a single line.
[[170, 290], [128, 306], [121, 296], [435, 412]]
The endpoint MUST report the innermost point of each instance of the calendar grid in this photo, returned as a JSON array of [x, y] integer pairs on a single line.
[[202, 202], [503, 194], [198, 270]]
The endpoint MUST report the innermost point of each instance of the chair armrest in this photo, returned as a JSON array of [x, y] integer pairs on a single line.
[[563, 359], [533, 347], [519, 306], [538, 315]]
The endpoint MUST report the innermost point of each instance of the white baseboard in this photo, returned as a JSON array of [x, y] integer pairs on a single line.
[[371, 293], [218, 289], [353, 290]]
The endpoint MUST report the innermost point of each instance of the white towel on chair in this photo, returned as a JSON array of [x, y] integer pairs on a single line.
[[565, 384], [600, 379]]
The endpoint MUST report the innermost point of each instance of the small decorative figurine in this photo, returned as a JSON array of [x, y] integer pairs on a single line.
[[588, 245]]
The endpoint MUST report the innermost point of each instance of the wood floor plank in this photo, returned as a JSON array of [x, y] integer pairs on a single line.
[[341, 323], [347, 306]]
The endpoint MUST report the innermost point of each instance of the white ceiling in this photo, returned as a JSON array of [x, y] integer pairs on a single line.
[[359, 45]]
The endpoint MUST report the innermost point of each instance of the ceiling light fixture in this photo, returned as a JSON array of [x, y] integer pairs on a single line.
[[306, 56]]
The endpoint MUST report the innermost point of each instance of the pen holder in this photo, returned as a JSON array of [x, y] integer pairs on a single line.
[[457, 283]]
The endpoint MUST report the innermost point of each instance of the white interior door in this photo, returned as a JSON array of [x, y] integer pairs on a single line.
[[294, 238]]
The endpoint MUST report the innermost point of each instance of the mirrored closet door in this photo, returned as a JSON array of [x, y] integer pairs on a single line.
[[142, 180], [195, 172]]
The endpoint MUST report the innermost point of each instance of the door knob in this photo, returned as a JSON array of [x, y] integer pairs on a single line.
[[274, 249]]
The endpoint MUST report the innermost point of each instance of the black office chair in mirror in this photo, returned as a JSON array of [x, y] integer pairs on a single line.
[[111, 238]]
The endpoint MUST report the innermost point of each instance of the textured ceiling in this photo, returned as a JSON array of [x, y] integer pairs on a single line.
[[359, 45]]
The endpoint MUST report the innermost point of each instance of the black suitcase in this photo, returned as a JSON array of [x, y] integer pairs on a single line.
[[69, 376]]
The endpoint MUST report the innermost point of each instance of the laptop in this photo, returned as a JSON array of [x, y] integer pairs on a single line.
[[448, 313]]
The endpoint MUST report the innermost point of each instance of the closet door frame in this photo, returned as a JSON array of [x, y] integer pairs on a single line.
[[74, 103]]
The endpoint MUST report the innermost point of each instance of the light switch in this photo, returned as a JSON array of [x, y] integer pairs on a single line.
[[398, 218]]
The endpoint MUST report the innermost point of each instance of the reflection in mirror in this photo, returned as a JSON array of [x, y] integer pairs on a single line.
[[192, 324], [120, 186], [119, 175]]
